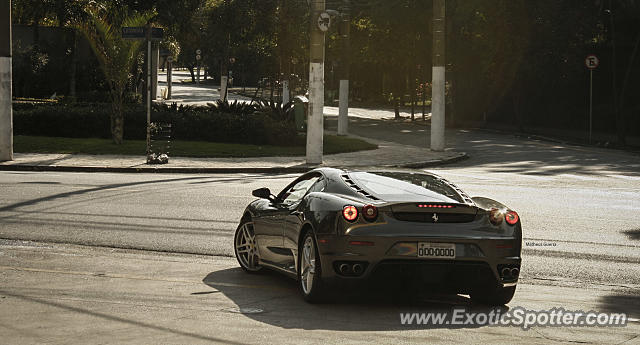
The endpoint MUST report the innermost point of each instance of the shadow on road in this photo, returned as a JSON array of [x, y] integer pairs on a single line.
[[632, 234], [109, 317], [621, 303], [357, 309]]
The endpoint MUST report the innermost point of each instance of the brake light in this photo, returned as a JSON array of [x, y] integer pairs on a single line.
[[511, 217], [370, 212], [495, 216], [435, 206], [350, 213]]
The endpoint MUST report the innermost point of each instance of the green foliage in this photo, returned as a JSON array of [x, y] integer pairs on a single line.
[[235, 107], [276, 110], [216, 123], [115, 55], [180, 148]]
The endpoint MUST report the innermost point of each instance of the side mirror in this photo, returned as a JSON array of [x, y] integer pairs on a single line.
[[263, 193]]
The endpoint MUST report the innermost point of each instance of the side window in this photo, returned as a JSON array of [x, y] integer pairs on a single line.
[[298, 190], [318, 186]]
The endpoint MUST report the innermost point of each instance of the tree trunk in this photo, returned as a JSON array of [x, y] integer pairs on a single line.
[[193, 75], [396, 107], [622, 111], [73, 68], [117, 121]]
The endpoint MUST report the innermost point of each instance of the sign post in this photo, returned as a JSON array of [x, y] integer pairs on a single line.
[[149, 34], [198, 57], [169, 75], [591, 62]]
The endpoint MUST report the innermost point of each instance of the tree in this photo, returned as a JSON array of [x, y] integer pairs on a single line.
[[116, 57]]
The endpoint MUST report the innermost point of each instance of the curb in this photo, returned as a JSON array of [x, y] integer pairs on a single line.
[[186, 170], [436, 162]]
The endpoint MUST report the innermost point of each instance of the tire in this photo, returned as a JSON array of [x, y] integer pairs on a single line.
[[310, 270], [495, 296], [245, 248]]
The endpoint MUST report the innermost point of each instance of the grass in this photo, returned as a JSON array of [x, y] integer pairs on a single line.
[[93, 146]]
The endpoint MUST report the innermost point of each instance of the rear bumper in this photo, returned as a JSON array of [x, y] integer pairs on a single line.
[[479, 261]]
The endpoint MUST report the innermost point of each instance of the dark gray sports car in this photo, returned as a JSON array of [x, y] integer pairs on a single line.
[[331, 226]]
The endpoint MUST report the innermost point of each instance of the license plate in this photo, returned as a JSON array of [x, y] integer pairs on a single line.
[[436, 250]]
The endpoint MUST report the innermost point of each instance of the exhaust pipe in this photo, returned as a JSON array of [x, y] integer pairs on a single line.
[[344, 269], [357, 269], [515, 272], [506, 272]]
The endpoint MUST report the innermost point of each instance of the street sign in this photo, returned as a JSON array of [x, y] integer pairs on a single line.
[[140, 33], [591, 62], [198, 51], [169, 58], [198, 57], [134, 33], [156, 34], [324, 21]]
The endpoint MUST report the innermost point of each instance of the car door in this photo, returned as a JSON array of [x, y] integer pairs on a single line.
[[286, 204], [294, 219], [268, 230]]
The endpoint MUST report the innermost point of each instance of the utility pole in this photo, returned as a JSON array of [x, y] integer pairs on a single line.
[[169, 75], [320, 22], [438, 81], [6, 116], [343, 112], [149, 87]]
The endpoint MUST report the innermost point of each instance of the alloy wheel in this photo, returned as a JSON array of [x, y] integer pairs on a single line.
[[246, 249]]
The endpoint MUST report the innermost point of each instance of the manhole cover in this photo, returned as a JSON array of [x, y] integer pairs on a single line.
[[245, 310]]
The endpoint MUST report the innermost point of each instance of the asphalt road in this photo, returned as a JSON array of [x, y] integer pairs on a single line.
[[579, 208]]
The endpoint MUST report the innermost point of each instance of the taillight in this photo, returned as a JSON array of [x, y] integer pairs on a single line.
[[370, 212], [350, 213], [511, 217], [495, 216]]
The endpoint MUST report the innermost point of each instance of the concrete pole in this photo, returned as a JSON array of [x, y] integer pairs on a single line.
[[315, 120], [148, 92], [155, 60], [169, 76], [6, 116], [438, 82], [343, 110], [285, 91]]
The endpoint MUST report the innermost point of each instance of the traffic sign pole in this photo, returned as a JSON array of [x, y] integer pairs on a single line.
[[591, 62], [169, 75], [148, 94], [590, 104]]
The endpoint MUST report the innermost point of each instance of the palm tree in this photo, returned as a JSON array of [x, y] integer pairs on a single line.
[[116, 57]]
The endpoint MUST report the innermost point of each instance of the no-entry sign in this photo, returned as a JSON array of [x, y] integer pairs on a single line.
[[591, 61]]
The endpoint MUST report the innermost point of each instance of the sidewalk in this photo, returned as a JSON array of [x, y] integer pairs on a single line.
[[388, 154]]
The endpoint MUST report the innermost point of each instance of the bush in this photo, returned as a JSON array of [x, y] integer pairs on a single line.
[[246, 124]]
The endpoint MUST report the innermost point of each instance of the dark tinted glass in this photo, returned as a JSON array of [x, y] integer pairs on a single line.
[[405, 186]]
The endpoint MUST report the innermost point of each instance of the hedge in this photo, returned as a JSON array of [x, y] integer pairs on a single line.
[[247, 124]]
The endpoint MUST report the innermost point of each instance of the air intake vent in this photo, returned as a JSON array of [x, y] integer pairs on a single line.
[[355, 187]]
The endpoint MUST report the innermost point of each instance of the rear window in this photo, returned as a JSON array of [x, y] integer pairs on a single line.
[[405, 186]]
